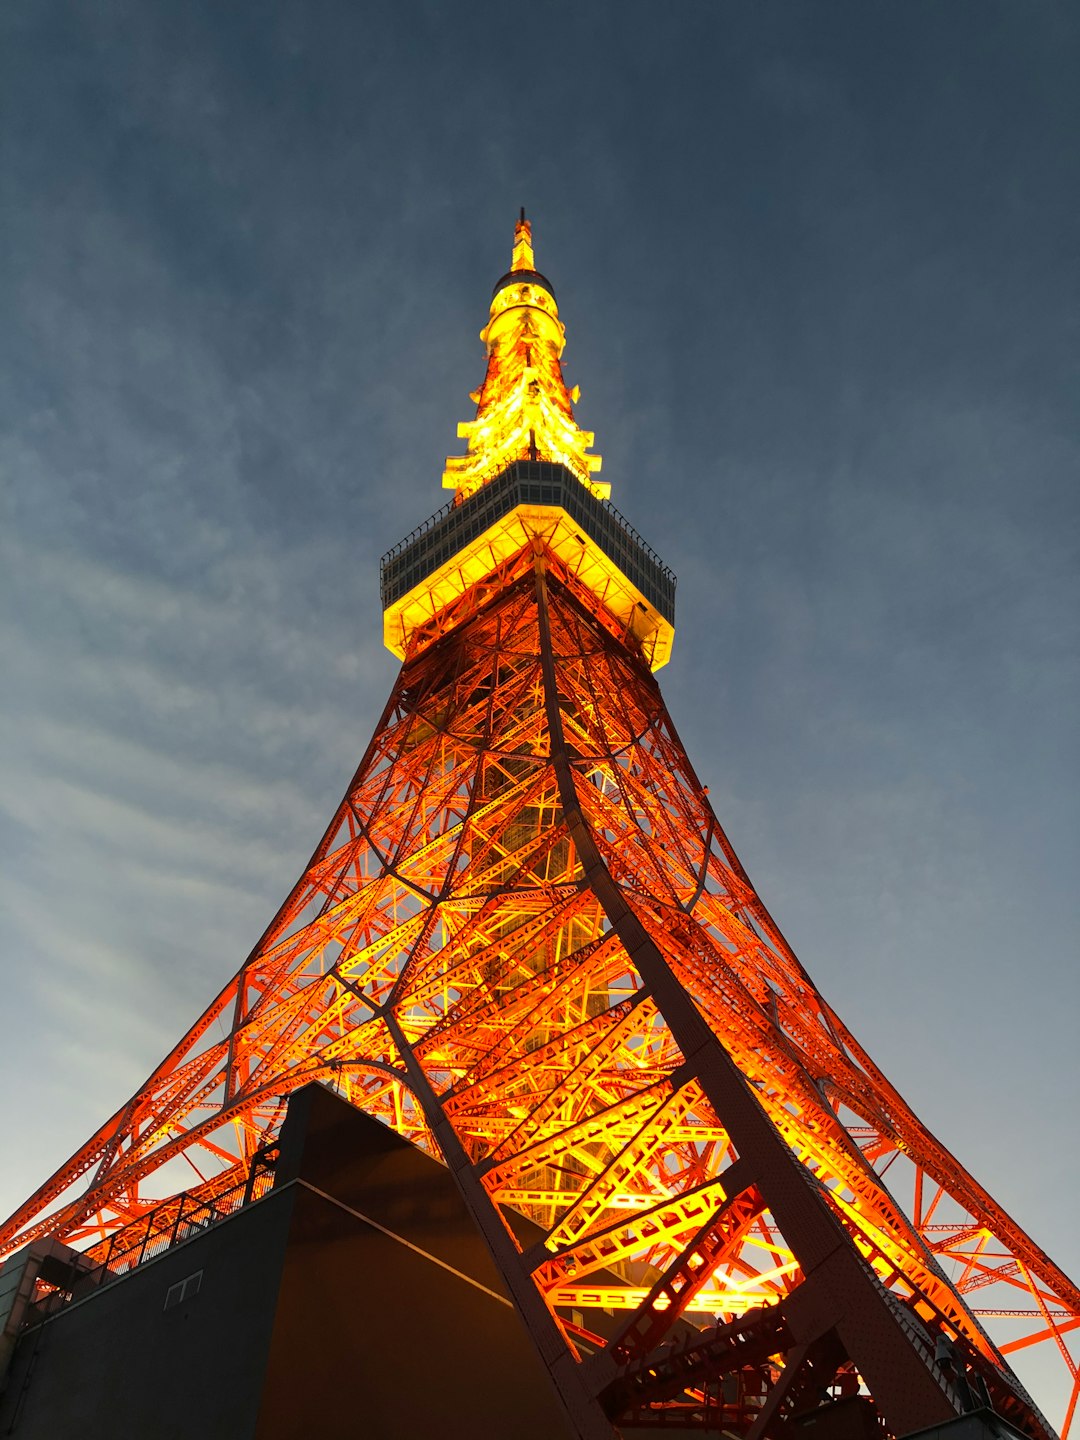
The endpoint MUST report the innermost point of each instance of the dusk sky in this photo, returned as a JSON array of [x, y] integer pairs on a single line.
[[818, 267]]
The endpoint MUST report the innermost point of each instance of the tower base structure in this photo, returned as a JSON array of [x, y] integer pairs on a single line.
[[356, 1288]]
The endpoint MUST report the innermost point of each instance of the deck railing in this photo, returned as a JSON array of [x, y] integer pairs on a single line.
[[526, 482]]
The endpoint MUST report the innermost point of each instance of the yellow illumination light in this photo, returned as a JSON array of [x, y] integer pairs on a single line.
[[524, 410], [628, 1297]]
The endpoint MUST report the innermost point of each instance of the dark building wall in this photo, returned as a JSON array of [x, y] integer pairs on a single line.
[[401, 1347], [327, 1308], [406, 1347], [119, 1366]]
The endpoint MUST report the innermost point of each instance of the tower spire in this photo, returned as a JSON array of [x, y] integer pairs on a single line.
[[523, 249], [524, 410]]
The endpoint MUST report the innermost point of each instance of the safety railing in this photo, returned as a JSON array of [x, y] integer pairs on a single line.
[[172, 1223]]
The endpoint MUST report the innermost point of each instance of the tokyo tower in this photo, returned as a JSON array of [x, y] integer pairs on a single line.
[[526, 944]]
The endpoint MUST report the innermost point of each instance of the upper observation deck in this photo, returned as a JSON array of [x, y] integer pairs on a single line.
[[467, 540]]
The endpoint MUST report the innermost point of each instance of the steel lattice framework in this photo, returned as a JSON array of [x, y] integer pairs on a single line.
[[526, 943]]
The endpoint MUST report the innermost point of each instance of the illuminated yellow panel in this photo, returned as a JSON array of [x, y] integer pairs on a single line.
[[561, 535], [523, 409], [620, 1297]]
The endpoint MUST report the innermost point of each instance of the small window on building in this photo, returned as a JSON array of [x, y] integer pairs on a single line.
[[185, 1289]]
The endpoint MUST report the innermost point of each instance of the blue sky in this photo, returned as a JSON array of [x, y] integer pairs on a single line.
[[818, 268]]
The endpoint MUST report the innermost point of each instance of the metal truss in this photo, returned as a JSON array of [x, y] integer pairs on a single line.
[[526, 944]]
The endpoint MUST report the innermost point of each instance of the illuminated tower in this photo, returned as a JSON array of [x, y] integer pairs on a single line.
[[527, 945]]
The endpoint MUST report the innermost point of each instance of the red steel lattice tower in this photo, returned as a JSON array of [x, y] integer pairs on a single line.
[[526, 943]]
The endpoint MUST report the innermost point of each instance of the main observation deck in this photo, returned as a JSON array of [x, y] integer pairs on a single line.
[[531, 499]]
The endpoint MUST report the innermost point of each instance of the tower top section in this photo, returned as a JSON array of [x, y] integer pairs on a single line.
[[524, 495], [523, 409]]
